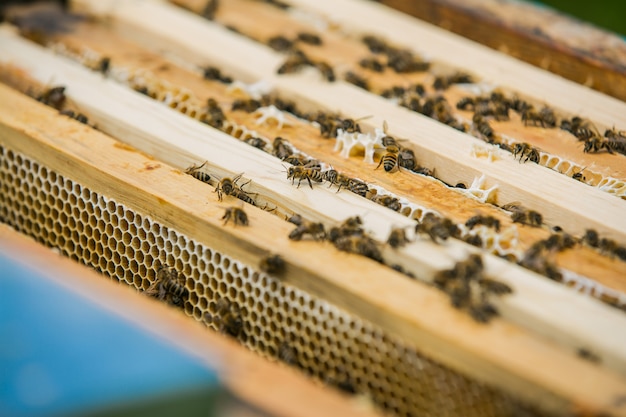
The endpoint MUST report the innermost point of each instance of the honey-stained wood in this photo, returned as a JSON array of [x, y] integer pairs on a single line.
[[128, 57], [538, 35], [268, 386], [499, 353]]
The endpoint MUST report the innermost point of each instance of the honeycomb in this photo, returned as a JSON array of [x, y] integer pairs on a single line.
[[327, 342]]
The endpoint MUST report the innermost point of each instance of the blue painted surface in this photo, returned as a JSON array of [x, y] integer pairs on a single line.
[[60, 354]]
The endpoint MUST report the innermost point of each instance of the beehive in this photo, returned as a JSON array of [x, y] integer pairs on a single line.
[[123, 204]]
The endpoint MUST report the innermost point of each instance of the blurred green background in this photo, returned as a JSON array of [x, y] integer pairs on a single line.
[[608, 14]]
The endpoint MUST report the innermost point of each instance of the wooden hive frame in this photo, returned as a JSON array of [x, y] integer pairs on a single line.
[[498, 354]]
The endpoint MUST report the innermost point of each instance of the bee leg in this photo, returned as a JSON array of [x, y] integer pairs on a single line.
[[310, 183]]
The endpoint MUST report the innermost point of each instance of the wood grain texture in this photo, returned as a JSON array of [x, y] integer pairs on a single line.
[[501, 353], [543, 37], [305, 137]]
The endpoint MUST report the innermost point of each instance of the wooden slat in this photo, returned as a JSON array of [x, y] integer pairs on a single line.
[[270, 386], [558, 43], [130, 58], [448, 151], [441, 332]]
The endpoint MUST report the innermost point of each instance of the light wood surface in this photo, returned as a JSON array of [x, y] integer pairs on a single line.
[[500, 353], [537, 187], [549, 39], [417, 189]]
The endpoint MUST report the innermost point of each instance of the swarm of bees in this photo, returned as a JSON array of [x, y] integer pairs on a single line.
[[402, 61], [169, 286], [469, 289], [237, 215], [227, 318]]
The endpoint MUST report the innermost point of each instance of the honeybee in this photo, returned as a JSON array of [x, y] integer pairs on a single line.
[[305, 227], [482, 312], [612, 143], [336, 178], [215, 116], [227, 318], [359, 244], [524, 149], [404, 61], [358, 187], [397, 237], [578, 176], [287, 354], [466, 103], [195, 171], [169, 285], [76, 116], [443, 82], [281, 148], [103, 66], [294, 63], [272, 264], [519, 105], [581, 128], [372, 64], [256, 142], [474, 240], [389, 160], [559, 242], [591, 238], [496, 287], [483, 127], [527, 217], [354, 78], [375, 44], [544, 117], [309, 38], [300, 160], [214, 73], [350, 227], [436, 227], [535, 261], [247, 105], [387, 201], [53, 97], [326, 70], [304, 173], [396, 91], [237, 215], [226, 186], [280, 43], [209, 10], [488, 221]]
